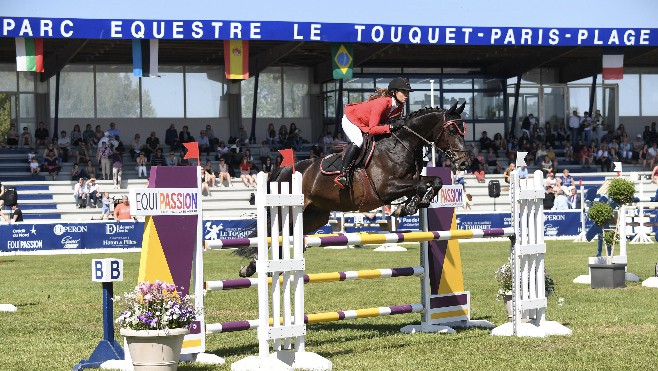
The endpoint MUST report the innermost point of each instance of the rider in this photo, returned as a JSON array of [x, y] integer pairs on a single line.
[[370, 117]]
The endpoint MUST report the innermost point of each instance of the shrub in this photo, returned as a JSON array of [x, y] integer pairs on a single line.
[[600, 213], [621, 191]]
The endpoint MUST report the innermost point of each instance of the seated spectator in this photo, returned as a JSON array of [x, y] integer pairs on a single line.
[[316, 152], [245, 174], [88, 137], [76, 172], [52, 166], [12, 137], [135, 146], [498, 143], [90, 169], [295, 137], [223, 151], [171, 138], [63, 146], [151, 145], [209, 174], [122, 210], [16, 215], [567, 182], [479, 173], [546, 165], [272, 137], [549, 198], [171, 160], [626, 150], [508, 172], [141, 166], [26, 138], [574, 199], [185, 136], [82, 154], [265, 151], [485, 142], [182, 161], [561, 201], [92, 192], [587, 156], [205, 187], [76, 136], [212, 139], [98, 135], [113, 131], [267, 165], [157, 159], [603, 158], [223, 173], [492, 162], [41, 135], [204, 143], [242, 135], [34, 166], [326, 142], [80, 193], [283, 136], [278, 161], [552, 181], [459, 177]]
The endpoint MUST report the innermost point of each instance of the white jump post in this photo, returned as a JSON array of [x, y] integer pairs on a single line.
[[288, 337], [641, 235], [582, 237], [528, 291]]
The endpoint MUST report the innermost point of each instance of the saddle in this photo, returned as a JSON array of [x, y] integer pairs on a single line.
[[331, 164]]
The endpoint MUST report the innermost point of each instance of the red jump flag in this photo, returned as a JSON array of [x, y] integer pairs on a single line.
[[192, 151], [288, 158]]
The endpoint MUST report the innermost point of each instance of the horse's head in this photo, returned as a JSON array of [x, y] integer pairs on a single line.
[[449, 137]]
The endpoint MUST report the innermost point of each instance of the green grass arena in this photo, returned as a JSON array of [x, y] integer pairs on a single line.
[[59, 317]]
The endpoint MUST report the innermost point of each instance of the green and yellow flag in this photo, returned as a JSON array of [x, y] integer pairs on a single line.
[[342, 60]]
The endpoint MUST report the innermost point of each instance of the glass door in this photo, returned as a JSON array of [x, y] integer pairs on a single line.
[[554, 109], [8, 113]]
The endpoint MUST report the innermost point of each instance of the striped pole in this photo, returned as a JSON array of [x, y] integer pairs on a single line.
[[343, 239], [340, 315], [244, 283]]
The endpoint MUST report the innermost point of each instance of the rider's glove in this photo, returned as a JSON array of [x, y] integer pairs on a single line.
[[396, 125]]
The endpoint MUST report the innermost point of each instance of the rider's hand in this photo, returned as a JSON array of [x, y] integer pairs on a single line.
[[396, 125]]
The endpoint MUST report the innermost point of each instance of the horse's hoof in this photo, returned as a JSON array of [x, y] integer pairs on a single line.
[[247, 270]]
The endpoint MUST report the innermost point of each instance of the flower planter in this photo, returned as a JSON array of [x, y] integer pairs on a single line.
[[608, 276], [155, 350]]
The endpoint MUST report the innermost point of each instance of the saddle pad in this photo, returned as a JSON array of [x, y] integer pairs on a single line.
[[331, 164]]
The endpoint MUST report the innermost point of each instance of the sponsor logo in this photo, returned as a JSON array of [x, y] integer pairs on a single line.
[[114, 228], [16, 245], [121, 243], [553, 217], [550, 230], [69, 242], [20, 232], [59, 229]]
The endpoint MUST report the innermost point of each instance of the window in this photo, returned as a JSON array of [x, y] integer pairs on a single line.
[[629, 95], [295, 92], [282, 92], [164, 92], [649, 95], [117, 92], [203, 91], [76, 95], [8, 78]]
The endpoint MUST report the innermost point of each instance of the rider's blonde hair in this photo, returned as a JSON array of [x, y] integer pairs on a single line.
[[381, 92]]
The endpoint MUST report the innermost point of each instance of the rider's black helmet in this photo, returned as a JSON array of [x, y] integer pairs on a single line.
[[399, 83]]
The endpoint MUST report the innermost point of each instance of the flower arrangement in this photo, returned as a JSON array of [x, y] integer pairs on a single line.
[[156, 306], [504, 278]]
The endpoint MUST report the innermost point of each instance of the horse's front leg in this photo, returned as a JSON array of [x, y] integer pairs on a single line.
[[433, 185], [410, 188]]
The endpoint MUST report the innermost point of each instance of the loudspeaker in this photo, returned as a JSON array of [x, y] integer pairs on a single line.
[[494, 188], [10, 196]]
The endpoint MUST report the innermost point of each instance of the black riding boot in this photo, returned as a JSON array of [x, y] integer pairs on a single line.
[[343, 180]]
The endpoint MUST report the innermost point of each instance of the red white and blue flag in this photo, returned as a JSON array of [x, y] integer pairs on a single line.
[[613, 65]]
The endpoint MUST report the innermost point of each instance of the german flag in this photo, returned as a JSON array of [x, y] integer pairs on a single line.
[[236, 59]]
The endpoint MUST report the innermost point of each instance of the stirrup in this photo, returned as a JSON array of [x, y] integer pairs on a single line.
[[342, 181]]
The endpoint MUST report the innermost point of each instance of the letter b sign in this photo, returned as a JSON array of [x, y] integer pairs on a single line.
[[107, 270]]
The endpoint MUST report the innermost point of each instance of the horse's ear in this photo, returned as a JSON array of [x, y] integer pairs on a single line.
[[452, 109], [461, 108]]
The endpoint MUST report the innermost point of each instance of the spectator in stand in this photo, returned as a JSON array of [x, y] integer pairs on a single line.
[[568, 153], [551, 155], [247, 178], [76, 172], [117, 169], [643, 157], [222, 151], [265, 151], [561, 201], [135, 146], [242, 135], [574, 125], [653, 152], [492, 161], [339, 142], [92, 193], [278, 161], [283, 136], [209, 174], [638, 143], [552, 181], [88, 137], [586, 127], [512, 148], [76, 136], [523, 140], [205, 187], [549, 198], [50, 148], [63, 144], [562, 134], [295, 137], [479, 174], [90, 169], [158, 158], [105, 211], [326, 143], [182, 161], [103, 158], [122, 210], [485, 142], [171, 160], [550, 134], [271, 136], [152, 144], [574, 199], [626, 150], [267, 166], [566, 181], [80, 193], [603, 158], [526, 126], [204, 143], [540, 153], [16, 215], [620, 133], [587, 156], [540, 133], [52, 165], [41, 135], [98, 135], [547, 166], [171, 138], [82, 154], [212, 139], [597, 125], [316, 152], [508, 172], [607, 137], [523, 172], [34, 166], [223, 173], [141, 165], [113, 131], [26, 138], [12, 137], [614, 157]]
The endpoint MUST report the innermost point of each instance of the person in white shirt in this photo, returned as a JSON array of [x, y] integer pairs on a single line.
[[92, 193], [80, 193], [574, 124], [63, 144], [204, 143], [561, 201]]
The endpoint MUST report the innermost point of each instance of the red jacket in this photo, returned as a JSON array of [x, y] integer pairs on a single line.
[[369, 115]]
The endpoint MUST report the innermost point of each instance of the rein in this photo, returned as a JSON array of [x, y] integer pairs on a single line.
[[430, 144]]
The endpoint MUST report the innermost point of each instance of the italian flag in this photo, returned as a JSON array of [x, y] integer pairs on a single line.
[[29, 54]]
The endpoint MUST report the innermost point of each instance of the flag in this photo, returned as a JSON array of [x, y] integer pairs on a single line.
[[613, 65], [342, 61], [236, 59], [192, 151], [29, 54], [288, 158], [145, 58]]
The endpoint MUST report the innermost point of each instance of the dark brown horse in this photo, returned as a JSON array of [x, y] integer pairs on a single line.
[[394, 171]]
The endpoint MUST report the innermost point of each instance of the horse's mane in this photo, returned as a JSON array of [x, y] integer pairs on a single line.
[[422, 112]]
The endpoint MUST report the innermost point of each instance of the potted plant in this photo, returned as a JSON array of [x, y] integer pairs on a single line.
[[504, 278], [155, 321], [606, 273]]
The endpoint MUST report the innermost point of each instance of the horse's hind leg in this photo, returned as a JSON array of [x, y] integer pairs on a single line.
[[314, 218]]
